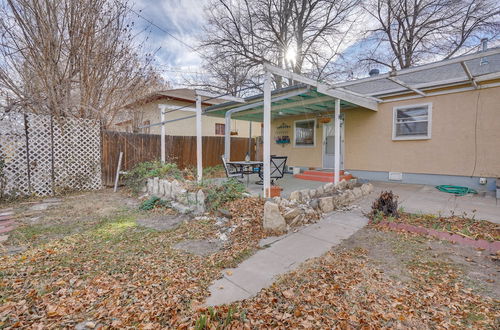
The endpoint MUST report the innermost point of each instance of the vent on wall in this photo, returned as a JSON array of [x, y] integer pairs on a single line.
[[396, 176]]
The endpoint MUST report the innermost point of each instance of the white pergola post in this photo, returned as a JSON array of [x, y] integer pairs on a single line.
[[336, 166], [162, 131], [227, 136], [267, 134], [199, 154]]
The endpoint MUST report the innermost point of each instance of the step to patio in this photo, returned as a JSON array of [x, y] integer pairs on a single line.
[[321, 176]]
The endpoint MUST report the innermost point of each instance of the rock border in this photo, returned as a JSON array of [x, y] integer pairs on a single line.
[[455, 238], [175, 192], [307, 205]]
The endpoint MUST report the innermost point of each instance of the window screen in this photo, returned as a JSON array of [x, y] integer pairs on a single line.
[[220, 129], [412, 122], [304, 132]]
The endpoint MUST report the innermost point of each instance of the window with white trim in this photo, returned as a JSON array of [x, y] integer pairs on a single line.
[[304, 133], [412, 122]]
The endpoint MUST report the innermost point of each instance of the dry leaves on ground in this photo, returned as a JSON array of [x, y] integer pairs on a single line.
[[342, 290], [468, 227]]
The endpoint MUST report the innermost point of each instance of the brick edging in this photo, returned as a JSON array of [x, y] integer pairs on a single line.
[[479, 243]]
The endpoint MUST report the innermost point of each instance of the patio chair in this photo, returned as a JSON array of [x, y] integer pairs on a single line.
[[232, 171], [278, 165]]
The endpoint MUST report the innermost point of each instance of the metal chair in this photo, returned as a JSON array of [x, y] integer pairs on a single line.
[[278, 165], [232, 171]]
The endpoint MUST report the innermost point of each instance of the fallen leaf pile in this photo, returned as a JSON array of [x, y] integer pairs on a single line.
[[467, 227], [342, 290], [115, 274]]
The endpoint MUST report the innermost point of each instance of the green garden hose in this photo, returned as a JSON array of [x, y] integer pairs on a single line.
[[457, 190]]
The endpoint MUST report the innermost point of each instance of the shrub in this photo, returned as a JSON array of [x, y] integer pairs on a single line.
[[153, 202], [135, 178], [217, 195], [385, 205]]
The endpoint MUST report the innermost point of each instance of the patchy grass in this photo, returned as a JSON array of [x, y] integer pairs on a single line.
[[83, 265]]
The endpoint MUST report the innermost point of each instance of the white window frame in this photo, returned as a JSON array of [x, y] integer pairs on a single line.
[[412, 137], [295, 130]]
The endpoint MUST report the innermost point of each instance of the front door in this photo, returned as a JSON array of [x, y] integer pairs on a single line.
[[329, 145]]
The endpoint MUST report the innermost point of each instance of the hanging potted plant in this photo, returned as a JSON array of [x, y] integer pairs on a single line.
[[325, 120]]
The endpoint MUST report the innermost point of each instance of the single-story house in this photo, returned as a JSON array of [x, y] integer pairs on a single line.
[[437, 123], [146, 111]]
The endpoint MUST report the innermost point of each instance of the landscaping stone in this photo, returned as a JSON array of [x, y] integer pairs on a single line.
[[314, 203], [200, 247], [292, 213], [181, 208], [161, 188], [156, 184], [273, 220], [295, 196], [313, 193], [167, 189], [328, 188], [366, 188], [320, 191], [305, 195], [326, 204], [200, 201], [357, 192]]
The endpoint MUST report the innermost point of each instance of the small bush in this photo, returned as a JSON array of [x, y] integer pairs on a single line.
[[217, 195], [136, 178], [385, 205], [153, 202]]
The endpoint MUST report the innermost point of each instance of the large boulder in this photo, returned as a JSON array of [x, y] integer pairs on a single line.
[[156, 186], [357, 192], [273, 220]]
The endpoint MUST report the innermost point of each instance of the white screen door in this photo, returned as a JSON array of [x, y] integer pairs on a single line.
[[329, 145]]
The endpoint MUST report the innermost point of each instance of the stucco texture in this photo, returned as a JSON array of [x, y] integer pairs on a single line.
[[459, 144]]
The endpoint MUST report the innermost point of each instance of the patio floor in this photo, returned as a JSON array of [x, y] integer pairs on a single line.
[[288, 183]]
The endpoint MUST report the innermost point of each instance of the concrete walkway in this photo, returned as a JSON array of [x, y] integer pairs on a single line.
[[283, 254]]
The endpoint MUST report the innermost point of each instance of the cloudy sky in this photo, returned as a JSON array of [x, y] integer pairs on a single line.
[[183, 19]]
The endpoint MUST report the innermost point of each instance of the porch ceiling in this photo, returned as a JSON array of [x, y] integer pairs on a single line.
[[290, 101]]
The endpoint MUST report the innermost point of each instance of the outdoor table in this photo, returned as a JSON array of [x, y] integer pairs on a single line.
[[245, 165]]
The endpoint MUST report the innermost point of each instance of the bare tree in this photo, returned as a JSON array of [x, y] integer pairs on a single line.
[[299, 35], [413, 31], [71, 58]]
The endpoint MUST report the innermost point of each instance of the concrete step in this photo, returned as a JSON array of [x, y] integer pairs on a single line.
[[321, 178], [321, 173]]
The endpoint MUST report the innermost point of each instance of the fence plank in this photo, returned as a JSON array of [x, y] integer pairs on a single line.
[[181, 150]]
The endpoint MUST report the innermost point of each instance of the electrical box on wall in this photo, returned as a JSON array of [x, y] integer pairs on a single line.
[[483, 181], [396, 176]]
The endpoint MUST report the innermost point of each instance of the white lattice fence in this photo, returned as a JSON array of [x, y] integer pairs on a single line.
[[43, 156]]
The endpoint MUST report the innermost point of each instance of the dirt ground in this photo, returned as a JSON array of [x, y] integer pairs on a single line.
[[95, 258], [393, 252]]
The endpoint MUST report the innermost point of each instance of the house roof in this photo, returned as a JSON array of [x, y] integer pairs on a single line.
[[179, 94], [319, 98], [431, 75]]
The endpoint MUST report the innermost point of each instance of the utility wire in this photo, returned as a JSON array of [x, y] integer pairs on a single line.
[[161, 28]]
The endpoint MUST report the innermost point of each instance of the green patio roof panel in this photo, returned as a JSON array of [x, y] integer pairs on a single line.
[[289, 101]]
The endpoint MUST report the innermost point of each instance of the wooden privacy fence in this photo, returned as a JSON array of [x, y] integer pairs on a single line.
[[181, 150]]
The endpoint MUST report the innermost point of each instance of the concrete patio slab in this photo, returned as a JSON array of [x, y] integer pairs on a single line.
[[283, 254], [427, 199]]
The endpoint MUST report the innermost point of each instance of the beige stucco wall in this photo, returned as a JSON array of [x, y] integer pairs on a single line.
[[187, 127], [298, 156], [451, 149]]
